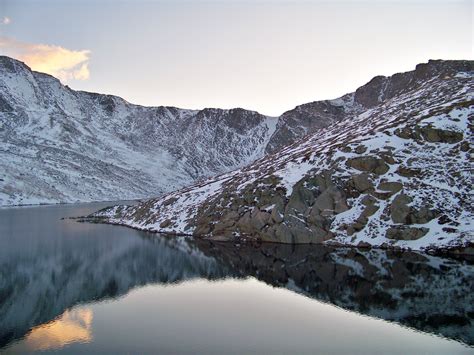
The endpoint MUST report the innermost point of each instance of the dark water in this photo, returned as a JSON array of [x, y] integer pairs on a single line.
[[86, 288]]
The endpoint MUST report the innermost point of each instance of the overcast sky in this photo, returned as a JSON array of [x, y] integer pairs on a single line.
[[264, 55]]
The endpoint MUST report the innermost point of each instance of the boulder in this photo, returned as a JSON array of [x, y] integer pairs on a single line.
[[277, 213], [165, 223], [369, 164], [244, 224], [405, 233], [222, 225], [368, 200], [202, 229], [301, 197], [464, 146], [404, 133], [259, 219], [408, 172], [390, 186], [388, 158], [283, 234], [361, 182], [421, 216], [170, 201], [369, 211], [361, 149], [433, 135], [331, 201], [429, 134], [399, 208]]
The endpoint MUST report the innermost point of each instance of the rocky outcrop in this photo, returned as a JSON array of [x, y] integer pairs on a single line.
[[382, 88], [430, 134], [275, 217]]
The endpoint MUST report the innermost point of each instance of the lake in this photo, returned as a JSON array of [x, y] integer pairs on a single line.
[[70, 287]]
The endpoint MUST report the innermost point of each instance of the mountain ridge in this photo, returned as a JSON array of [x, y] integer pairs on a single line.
[[127, 151], [124, 149]]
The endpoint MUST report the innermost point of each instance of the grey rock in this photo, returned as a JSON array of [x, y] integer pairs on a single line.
[[369, 164], [362, 182], [406, 233], [399, 208], [391, 186]]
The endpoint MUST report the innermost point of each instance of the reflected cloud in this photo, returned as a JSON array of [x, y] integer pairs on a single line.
[[63, 63], [73, 326], [6, 20]]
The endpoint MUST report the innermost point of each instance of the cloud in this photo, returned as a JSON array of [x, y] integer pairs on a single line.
[[6, 20], [64, 64]]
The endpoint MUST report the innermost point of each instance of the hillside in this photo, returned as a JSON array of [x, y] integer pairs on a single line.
[[395, 174]]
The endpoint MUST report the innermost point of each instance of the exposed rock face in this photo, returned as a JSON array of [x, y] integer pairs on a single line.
[[391, 186], [356, 182], [399, 208]]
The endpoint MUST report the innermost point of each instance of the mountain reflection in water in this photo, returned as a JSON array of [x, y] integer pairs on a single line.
[[428, 293]]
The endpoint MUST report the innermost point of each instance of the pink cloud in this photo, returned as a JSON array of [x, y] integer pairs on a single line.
[[65, 64]]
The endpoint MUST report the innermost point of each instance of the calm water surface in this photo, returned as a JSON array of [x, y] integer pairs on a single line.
[[86, 288]]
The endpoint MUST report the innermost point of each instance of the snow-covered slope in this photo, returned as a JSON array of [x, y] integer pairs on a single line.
[[397, 174], [60, 145]]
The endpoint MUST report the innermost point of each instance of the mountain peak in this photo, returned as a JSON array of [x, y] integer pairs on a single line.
[[11, 65], [382, 88]]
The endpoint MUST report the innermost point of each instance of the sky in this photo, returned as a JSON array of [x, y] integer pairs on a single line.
[[263, 55]]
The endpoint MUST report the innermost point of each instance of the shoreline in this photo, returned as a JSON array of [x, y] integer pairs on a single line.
[[464, 252]]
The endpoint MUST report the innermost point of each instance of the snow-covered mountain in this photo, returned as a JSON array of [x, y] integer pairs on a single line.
[[394, 171], [61, 145]]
